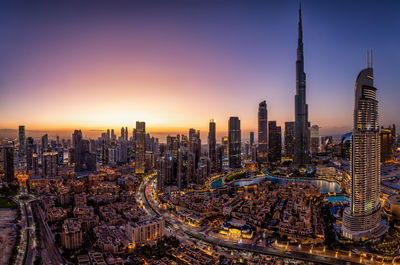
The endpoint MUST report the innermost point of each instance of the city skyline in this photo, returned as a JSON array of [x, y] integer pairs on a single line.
[[134, 175], [96, 69]]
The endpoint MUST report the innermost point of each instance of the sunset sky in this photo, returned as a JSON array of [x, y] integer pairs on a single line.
[[96, 65]]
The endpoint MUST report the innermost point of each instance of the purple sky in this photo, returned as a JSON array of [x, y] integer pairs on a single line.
[[97, 65]]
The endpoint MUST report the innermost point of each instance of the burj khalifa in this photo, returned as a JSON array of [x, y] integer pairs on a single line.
[[302, 142]]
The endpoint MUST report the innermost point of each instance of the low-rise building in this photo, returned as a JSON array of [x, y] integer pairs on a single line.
[[71, 236], [148, 230]]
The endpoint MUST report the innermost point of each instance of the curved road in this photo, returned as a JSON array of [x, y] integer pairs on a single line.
[[26, 251], [246, 247]]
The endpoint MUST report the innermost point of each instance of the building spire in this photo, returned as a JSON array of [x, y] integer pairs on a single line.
[[371, 59], [300, 25]]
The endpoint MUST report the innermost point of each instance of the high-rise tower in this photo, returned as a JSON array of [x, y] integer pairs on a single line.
[[22, 143], [140, 147], [274, 142], [7, 162], [289, 139], [363, 218], [262, 132], [212, 151], [234, 142], [301, 148]]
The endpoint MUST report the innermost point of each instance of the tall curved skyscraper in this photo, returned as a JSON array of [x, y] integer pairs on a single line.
[[301, 130], [362, 220]]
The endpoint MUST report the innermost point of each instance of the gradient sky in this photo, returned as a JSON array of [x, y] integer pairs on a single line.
[[96, 65]]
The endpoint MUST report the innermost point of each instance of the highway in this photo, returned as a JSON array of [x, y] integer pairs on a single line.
[[144, 191], [47, 238], [26, 249], [31, 231]]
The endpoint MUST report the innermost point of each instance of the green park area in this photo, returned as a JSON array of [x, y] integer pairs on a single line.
[[7, 203], [236, 176]]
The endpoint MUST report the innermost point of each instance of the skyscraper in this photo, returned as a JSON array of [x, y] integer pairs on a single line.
[[7, 162], [394, 137], [363, 218], [83, 159], [195, 145], [22, 143], [289, 139], [35, 164], [113, 136], [246, 150], [220, 151], [212, 145], [30, 150], [274, 142], [45, 143], [122, 134], [50, 164], [251, 139], [262, 132], [140, 147], [301, 147], [234, 142], [184, 167], [76, 140], [225, 147], [386, 145], [253, 147]]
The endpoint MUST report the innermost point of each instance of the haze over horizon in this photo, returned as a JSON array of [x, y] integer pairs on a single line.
[[92, 67]]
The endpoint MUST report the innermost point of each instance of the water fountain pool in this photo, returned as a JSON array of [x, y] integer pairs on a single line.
[[324, 185]]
